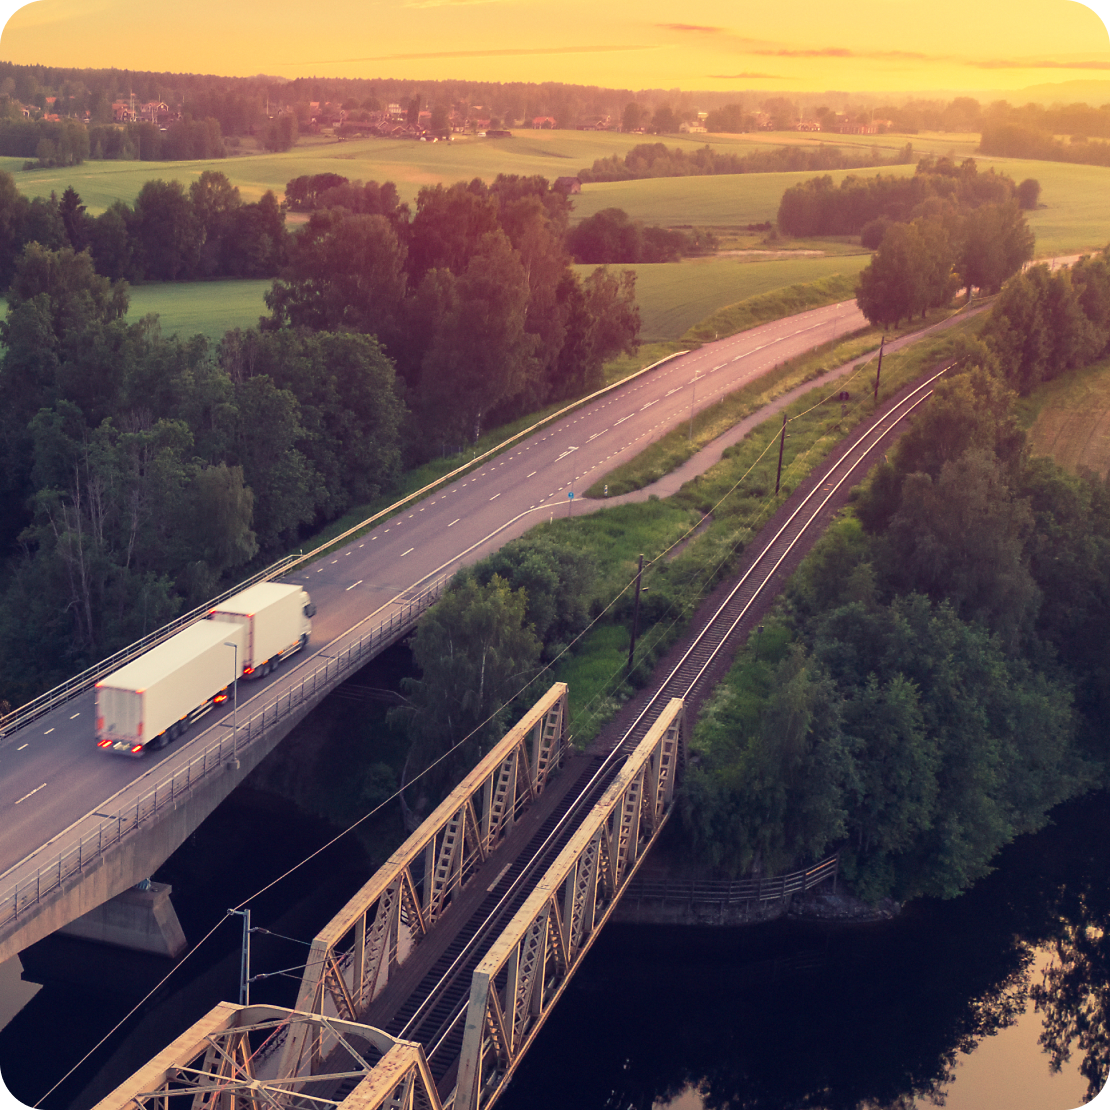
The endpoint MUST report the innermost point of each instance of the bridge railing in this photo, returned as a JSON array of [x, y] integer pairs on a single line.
[[703, 892], [85, 847], [353, 957], [78, 684], [527, 968]]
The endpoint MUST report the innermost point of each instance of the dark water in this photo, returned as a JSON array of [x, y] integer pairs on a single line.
[[780, 1016], [795, 1015]]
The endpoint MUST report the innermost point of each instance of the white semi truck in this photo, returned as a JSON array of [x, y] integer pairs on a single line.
[[276, 618], [153, 699]]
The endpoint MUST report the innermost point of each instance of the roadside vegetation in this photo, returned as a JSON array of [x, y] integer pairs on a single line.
[[935, 680]]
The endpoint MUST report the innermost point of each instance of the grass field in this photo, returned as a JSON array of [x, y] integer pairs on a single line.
[[204, 307], [674, 296], [1072, 422], [411, 165]]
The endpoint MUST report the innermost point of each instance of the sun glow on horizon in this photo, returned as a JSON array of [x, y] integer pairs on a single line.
[[875, 45]]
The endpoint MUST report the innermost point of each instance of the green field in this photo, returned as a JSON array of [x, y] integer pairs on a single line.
[[203, 307], [673, 296], [1073, 420]]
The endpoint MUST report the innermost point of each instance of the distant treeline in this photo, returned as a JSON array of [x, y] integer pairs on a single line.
[[657, 160], [67, 142], [609, 236], [1014, 141], [169, 234], [819, 207]]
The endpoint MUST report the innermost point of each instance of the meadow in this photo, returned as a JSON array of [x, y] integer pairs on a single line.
[[206, 308], [1071, 419], [411, 165], [674, 296]]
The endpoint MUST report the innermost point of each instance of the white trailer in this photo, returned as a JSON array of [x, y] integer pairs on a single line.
[[276, 619], [153, 699]]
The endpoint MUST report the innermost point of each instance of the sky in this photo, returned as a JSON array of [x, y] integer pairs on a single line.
[[889, 45]]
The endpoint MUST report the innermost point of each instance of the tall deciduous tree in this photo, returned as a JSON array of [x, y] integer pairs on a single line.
[[475, 652]]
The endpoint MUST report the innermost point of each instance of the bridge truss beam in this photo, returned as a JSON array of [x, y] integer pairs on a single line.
[[353, 957], [226, 1061], [525, 971]]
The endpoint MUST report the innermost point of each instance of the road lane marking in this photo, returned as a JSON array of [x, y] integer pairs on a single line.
[[623, 419], [22, 746], [351, 587], [48, 732], [596, 434], [495, 497], [454, 522], [75, 716], [404, 553], [533, 474], [26, 796]]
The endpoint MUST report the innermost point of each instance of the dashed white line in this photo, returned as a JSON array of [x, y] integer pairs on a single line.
[[21, 747], [533, 474], [404, 553], [75, 716], [352, 586], [48, 732], [31, 794], [454, 522]]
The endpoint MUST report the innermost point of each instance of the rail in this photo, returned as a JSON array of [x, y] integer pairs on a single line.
[[132, 815], [725, 893], [78, 684]]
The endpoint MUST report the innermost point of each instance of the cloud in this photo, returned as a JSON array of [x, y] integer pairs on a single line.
[[843, 52], [1002, 63], [691, 27], [746, 76], [510, 53]]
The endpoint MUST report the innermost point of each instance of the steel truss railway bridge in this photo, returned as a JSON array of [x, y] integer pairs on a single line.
[[428, 987]]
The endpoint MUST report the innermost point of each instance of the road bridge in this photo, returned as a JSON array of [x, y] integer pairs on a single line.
[[78, 827]]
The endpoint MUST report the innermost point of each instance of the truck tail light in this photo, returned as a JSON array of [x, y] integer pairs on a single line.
[[136, 748], [248, 670], [104, 744]]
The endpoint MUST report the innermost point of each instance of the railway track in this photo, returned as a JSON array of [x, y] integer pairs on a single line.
[[434, 1013]]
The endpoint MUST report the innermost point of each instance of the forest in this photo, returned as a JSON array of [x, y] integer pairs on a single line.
[[936, 679], [139, 470], [656, 160]]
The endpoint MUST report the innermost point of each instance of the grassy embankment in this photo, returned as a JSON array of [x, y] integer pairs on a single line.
[[738, 495], [1069, 419]]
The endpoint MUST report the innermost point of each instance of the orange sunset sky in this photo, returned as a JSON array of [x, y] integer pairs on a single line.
[[895, 45]]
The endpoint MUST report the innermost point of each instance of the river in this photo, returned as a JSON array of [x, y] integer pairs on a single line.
[[937, 1002]]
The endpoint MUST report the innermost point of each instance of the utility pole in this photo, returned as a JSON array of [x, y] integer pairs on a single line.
[[245, 959], [635, 615], [879, 369], [234, 695], [693, 401], [782, 444]]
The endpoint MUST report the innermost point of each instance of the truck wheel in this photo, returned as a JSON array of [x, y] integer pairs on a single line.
[[304, 639]]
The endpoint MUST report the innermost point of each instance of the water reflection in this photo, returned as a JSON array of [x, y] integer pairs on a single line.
[[793, 1015]]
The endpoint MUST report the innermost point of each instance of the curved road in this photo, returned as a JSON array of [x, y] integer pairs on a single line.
[[52, 774]]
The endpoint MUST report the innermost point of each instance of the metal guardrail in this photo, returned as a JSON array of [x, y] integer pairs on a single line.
[[110, 832], [724, 893], [79, 683]]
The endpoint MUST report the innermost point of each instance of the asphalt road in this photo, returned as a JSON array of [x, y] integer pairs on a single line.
[[51, 772]]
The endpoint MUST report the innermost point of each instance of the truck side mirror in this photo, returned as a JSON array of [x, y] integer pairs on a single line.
[[310, 609]]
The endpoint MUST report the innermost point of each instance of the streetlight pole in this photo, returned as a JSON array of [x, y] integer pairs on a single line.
[[234, 695]]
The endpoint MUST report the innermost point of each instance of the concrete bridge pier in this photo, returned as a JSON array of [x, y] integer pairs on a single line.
[[142, 919]]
